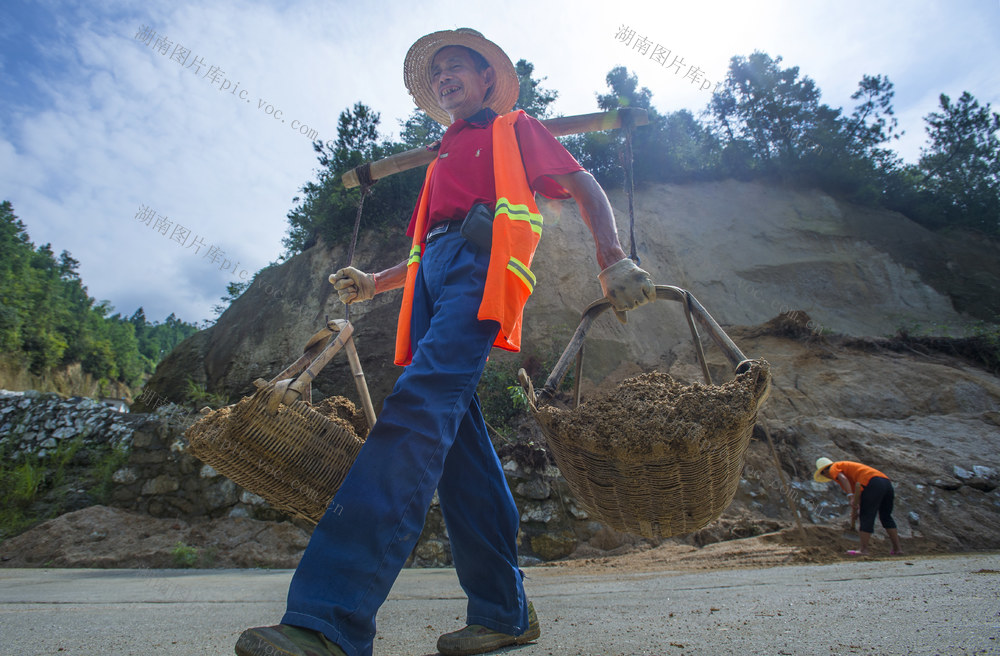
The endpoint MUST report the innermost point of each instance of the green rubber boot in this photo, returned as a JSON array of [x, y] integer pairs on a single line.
[[476, 639], [285, 640]]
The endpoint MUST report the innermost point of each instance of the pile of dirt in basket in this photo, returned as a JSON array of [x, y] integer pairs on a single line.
[[653, 416], [338, 409]]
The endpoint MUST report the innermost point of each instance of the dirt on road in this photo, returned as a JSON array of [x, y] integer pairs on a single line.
[[788, 546]]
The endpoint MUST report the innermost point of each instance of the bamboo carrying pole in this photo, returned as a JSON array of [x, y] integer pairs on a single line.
[[559, 127]]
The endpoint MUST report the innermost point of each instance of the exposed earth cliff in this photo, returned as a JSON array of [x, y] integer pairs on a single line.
[[747, 251]]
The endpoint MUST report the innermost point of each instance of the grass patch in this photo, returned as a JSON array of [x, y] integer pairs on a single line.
[[63, 456], [197, 397], [20, 484], [103, 470], [504, 402], [981, 345], [25, 480], [34, 488], [184, 556]]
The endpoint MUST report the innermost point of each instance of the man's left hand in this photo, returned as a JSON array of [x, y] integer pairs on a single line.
[[626, 286]]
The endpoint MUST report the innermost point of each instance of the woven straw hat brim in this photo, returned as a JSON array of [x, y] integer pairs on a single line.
[[821, 464], [417, 71]]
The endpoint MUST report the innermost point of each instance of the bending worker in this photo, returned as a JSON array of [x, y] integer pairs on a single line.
[[464, 289], [869, 491]]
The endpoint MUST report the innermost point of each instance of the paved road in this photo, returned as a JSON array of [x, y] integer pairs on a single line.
[[919, 606]]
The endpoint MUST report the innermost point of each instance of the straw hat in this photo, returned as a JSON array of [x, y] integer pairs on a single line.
[[417, 71], [821, 464]]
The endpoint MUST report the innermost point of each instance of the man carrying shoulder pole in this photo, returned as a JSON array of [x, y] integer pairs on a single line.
[[466, 280]]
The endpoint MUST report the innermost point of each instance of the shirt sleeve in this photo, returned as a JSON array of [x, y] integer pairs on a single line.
[[836, 469], [543, 156]]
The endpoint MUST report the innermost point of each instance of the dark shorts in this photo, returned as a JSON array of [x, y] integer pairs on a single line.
[[877, 497]]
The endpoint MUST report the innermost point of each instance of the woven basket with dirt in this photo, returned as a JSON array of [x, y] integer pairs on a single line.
[[296, 459], [656, 457], [282, 448]]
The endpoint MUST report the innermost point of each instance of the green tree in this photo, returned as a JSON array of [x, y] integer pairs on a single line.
[[683, 149], [857, 161], [233, 291], [419, 129], [159, 339], [15, 252], [47, 319], [601, 152], [532, 98], [674, 147], [767, 116], [327, 209], [961, 166], [625, 91], [873, 123]]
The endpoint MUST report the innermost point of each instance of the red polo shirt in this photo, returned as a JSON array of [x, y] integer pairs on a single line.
[[463, 175]]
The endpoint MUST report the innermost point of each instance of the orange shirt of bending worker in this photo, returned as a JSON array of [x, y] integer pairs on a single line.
[[855, 472]]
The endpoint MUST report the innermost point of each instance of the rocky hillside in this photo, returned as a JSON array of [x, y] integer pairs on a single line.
[[928, 419], [747, 251]]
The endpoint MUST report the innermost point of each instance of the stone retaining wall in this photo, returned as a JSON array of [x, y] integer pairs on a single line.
[[158, 475], [33, 424]]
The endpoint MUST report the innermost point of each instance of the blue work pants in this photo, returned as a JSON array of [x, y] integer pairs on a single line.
[[430, 434]]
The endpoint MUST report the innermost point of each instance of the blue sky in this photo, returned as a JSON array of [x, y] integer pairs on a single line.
[[96, 125]]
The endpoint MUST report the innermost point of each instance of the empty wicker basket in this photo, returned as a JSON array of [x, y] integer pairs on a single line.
[[688, 472]]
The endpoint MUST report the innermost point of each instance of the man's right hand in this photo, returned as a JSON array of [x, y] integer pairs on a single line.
[[353, 285]]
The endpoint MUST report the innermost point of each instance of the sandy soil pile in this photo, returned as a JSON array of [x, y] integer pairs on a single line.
[[337, 409], [652, 416], [343, 411]]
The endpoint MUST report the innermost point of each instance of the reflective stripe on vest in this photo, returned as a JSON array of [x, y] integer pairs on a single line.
[[414, 255], [519, 213], [517, 227], [522, 272]]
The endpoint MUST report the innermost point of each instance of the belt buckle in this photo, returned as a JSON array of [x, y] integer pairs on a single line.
[[439, 229]]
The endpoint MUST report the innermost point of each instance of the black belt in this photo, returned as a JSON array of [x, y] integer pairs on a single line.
[[442, 229]]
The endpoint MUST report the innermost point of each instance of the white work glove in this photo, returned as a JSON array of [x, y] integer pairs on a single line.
[[353, 285], [626, 286]]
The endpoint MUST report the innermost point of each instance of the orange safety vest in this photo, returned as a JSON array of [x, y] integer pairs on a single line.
[[517, 227]]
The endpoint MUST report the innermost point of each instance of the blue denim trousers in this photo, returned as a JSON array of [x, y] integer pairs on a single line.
[[430, 434]]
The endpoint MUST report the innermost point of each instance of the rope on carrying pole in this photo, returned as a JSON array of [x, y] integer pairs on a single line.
[[365, 177], [628, 122]]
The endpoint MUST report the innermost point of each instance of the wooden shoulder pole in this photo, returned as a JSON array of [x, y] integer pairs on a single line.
[[559, 127]]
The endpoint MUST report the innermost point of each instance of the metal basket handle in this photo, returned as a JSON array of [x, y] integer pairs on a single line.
[[692, 308]]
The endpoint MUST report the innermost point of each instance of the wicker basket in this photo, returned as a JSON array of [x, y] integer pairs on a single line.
[[665, 493], [279, 447]]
